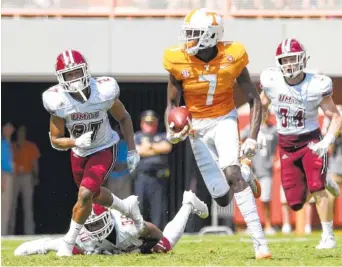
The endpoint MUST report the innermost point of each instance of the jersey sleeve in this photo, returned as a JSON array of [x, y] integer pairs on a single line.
[[109, 90], [172, 57], [241, 56], [266, 81], [52, 101], [326, 86]]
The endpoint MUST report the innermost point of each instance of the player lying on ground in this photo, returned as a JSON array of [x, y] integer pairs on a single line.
[[110, 232]]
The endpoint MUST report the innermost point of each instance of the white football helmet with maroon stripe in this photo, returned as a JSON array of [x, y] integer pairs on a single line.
[[100, 223], [69, 61], [288, 48]]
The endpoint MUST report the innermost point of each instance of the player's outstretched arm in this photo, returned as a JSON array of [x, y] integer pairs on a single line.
[[119, 112], [265, 102], [249, 90], [331, 111], [174, 93], [333, 114], [58, 140], [151, 236]]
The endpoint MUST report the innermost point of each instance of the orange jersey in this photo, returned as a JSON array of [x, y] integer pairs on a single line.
[[208, 87]]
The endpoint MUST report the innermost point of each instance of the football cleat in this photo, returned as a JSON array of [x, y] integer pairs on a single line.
[[327, 242], [199, 207], [31, 248], [65, 249]]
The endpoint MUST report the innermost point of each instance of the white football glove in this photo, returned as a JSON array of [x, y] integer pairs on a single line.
[[321, 148], [84, 140], [248, 148], [133, 159], [174, 137]]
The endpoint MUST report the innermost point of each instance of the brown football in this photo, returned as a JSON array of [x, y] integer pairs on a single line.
[[178, 118]]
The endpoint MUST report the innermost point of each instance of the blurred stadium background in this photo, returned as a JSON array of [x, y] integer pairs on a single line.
[[126, 39]]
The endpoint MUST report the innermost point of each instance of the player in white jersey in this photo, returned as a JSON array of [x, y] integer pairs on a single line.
[[296, 96], [80, 103], [110, 232]]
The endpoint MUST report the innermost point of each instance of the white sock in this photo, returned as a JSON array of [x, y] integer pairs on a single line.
[[245, 172], [246, 203], [327, 228], [73, 232], [175, 228], [119, 204]]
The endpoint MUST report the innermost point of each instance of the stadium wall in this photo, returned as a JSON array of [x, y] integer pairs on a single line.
[[132, 49]]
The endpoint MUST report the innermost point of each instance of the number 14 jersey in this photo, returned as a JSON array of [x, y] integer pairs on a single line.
[[88, 116], [296, 107]]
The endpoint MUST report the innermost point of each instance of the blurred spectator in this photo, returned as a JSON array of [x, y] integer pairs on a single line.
[[26, 155], [6, 177], [262, 164], [119, 181], [153, 170]]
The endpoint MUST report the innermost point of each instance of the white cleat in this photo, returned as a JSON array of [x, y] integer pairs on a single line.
[[199, 207], [307, 229], [286, 229], [262, 252], [327, 242], [133, 211], [65, 249], [269, 231], [332, 187], [32, 247]]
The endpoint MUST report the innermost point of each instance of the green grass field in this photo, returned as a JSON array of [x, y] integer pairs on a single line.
[[199, 250]]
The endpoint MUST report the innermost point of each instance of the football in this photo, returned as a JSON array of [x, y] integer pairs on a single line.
[[180, 117]]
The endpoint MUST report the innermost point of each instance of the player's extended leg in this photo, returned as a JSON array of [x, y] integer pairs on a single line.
[[175, 228], [227, 145], [89, 174], [39, 246], [338, 179], [315, 170]]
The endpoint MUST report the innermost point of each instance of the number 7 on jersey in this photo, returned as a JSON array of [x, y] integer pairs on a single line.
[[212, 79]]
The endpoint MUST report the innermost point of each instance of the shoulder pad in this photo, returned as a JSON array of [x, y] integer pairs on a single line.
[[235, 49], [268, 77], [52, 99], [324, 84], [172, 56], [108, 88]]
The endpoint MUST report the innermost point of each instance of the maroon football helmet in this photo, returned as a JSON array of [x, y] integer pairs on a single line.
[[72, 71]]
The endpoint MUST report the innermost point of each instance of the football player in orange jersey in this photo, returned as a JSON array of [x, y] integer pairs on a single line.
[[204, 70]]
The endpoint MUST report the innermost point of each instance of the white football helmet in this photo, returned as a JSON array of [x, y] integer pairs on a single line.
[[100, 223], [201, 29]]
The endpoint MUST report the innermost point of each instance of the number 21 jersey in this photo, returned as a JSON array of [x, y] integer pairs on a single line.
[[88, 116], [296, 107]]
